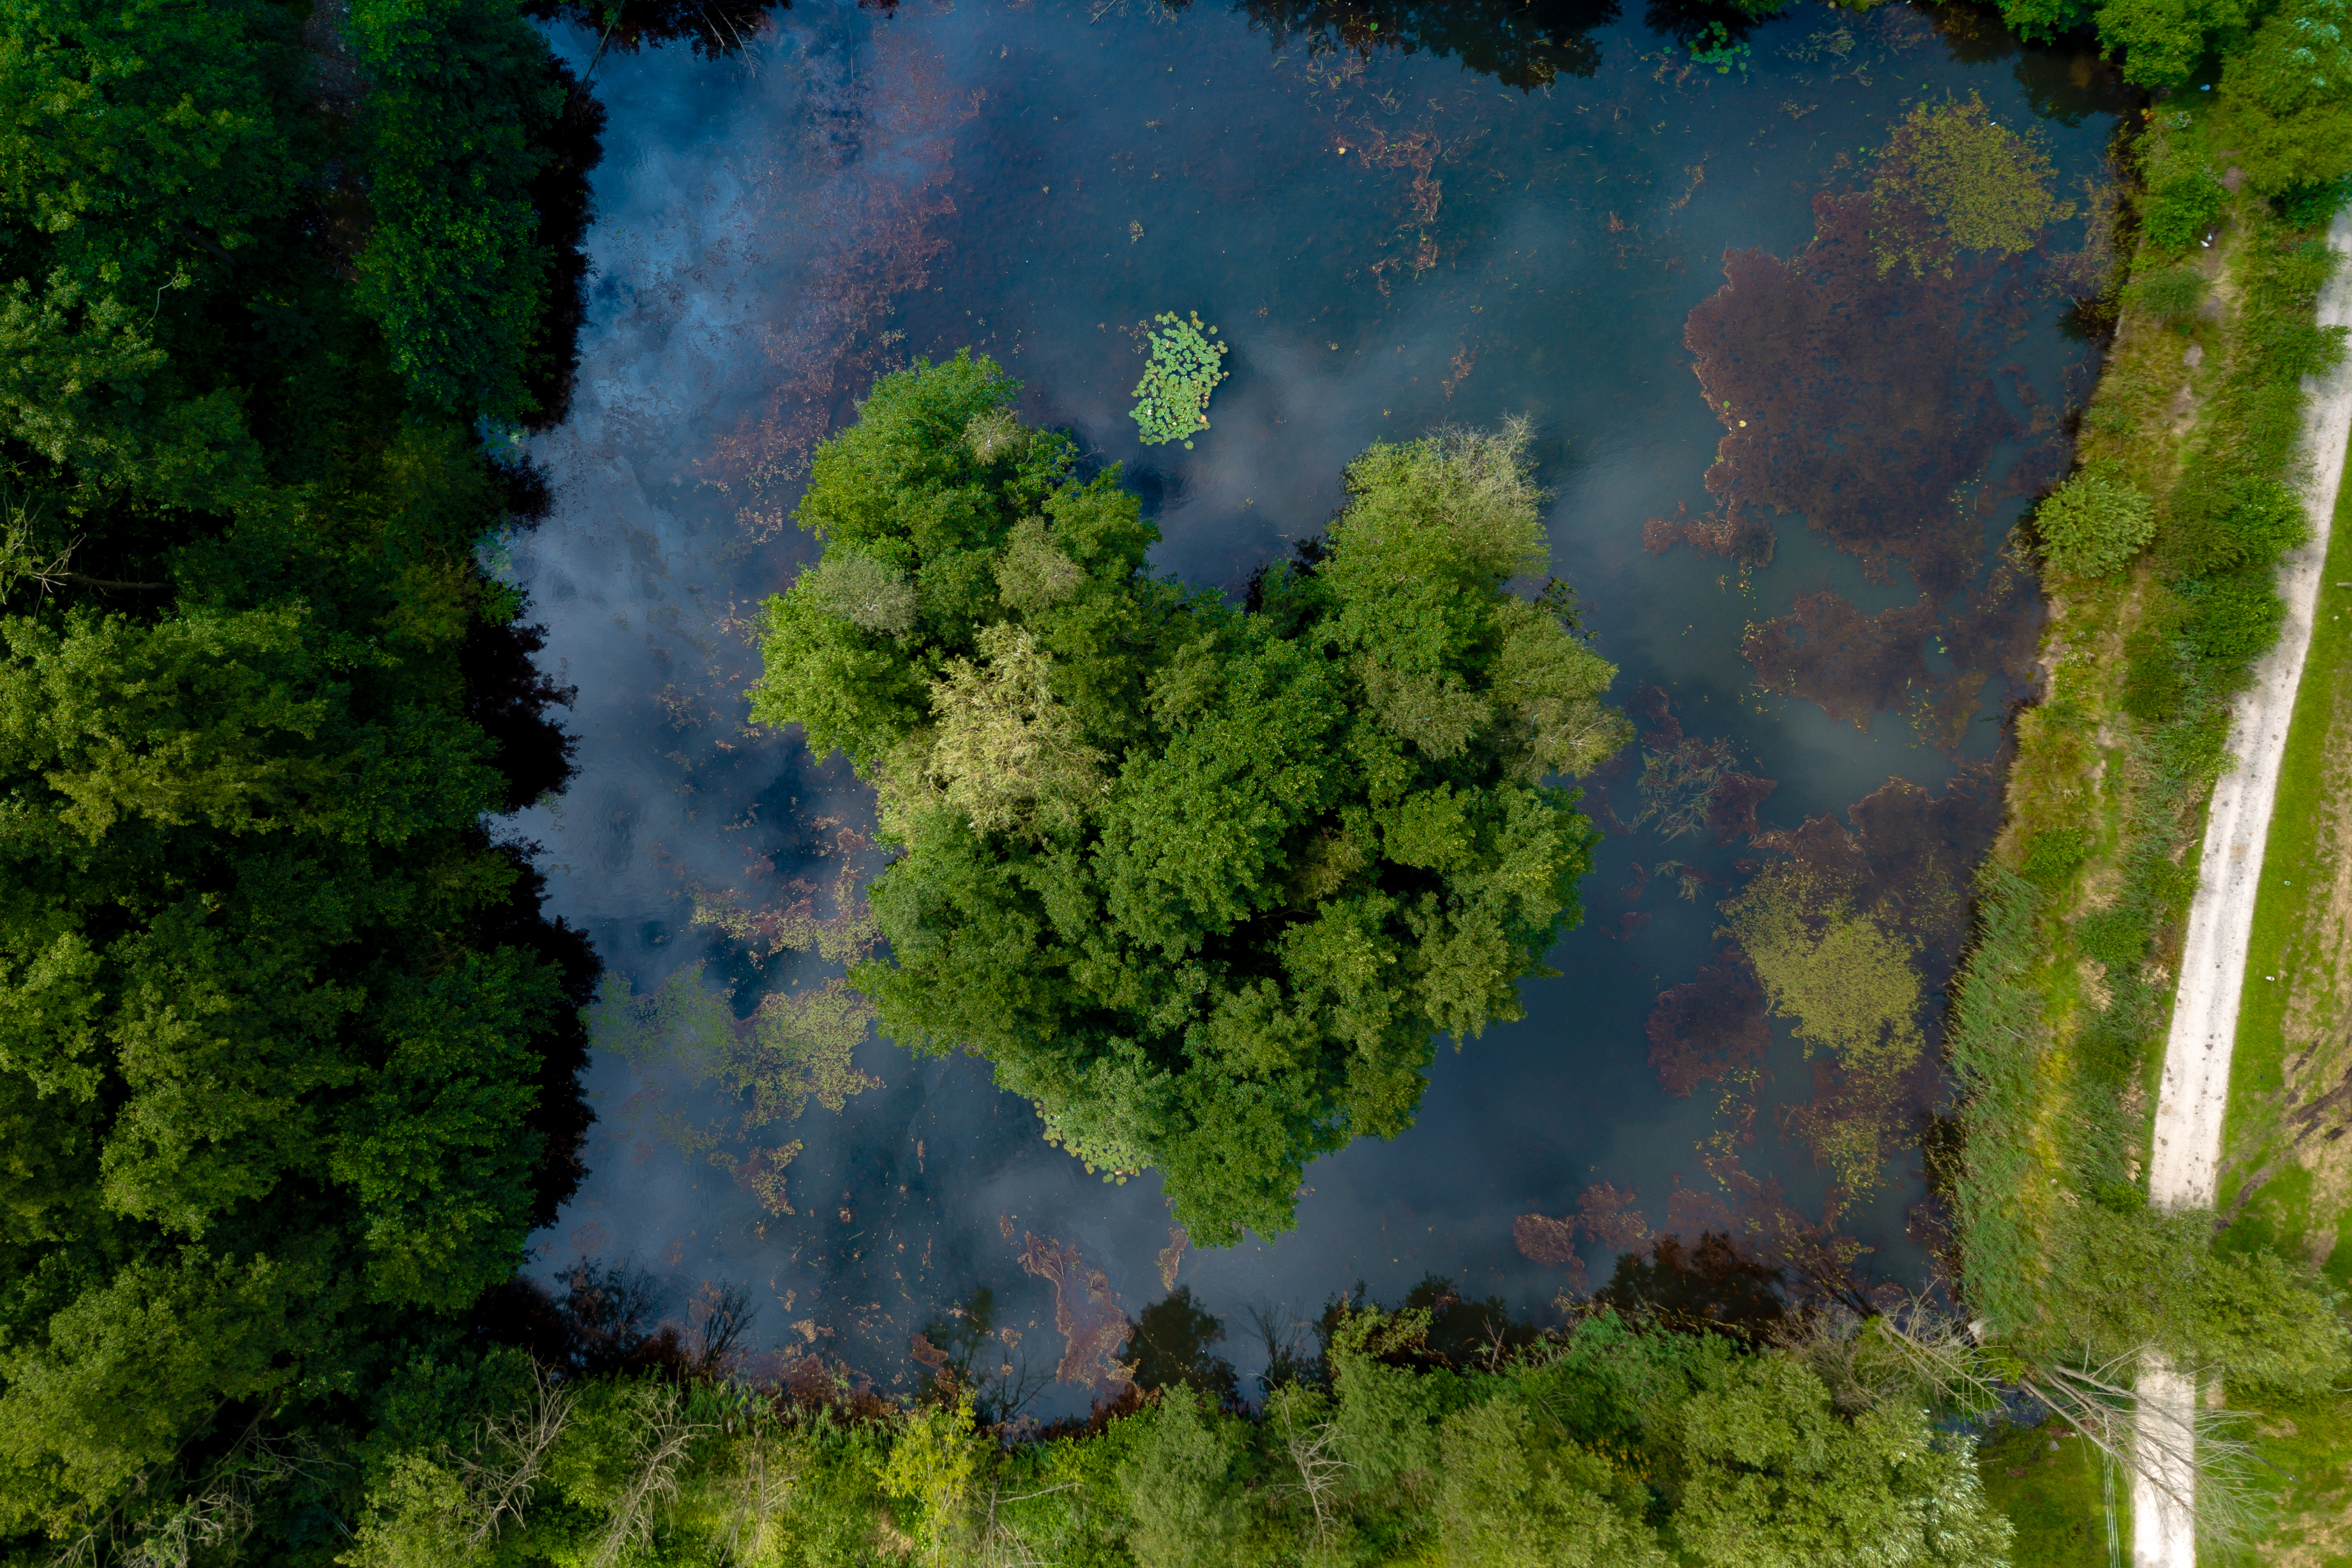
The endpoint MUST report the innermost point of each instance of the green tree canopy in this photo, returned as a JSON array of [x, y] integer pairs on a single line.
[[287, 1054], [1201, 882], [1609, 1445]]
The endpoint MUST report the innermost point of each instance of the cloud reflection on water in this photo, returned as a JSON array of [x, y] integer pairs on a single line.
[[855, 190]]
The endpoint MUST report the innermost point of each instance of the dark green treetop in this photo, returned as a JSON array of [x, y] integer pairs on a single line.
[[288, 1052], [1201, 882]]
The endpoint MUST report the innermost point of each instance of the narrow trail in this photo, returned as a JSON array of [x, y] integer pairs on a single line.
[[2193, 1102]]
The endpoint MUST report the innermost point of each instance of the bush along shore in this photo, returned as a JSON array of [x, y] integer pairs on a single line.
[[2159, 556]]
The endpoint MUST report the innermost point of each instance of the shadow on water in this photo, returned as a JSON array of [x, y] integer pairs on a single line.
[[1403, 215]]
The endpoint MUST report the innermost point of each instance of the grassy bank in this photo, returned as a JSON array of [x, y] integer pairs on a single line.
[[2286, 1178], [2062, 1009], [2161, 597]]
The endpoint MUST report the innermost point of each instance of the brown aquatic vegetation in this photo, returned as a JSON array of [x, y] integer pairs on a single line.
[[1607, 1214], [1731, 809], [1710, 1027], [1827, 652], [1862, 401], [1547, 1240], [1604, 1214], [1171, 1255], [1855, 665], [761, 1173], [889, 136], [1743, 533], [1086, 1312]]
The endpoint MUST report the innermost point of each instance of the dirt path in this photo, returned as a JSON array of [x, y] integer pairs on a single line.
[[2194, 1099]]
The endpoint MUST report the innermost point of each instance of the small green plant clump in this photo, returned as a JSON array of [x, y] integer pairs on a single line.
[[1715, 46], [1172, 398], [2171, 293], [2092, 526], [2182, 209]]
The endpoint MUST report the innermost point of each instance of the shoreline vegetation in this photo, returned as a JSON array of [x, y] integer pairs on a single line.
[[289, 1052], [2159, 556]]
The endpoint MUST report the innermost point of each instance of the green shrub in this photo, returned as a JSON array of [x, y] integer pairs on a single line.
[[1172, 398], [2055, 853], [2153, 686], [2300, 57], [2092, 526], [2233, 618], [2162, 41], [2215, 525], [2266, 518], [2312, 204], [2171, 293], [1180, 1484], [2182, 209], [2115, 937]]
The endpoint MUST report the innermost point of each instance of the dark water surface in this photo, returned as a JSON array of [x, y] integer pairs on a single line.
[[1390, 241]]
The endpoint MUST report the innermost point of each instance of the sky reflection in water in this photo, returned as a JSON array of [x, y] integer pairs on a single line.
[[1390, 243]]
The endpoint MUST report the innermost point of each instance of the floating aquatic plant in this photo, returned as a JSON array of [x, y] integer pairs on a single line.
[[1952, 177], [1172, 398], [1716, 46]]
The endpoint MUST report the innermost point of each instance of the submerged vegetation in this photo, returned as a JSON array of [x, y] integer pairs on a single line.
[[1949, 179], [1201, 882]]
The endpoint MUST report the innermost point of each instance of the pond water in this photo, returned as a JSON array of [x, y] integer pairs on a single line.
[[1782, 480]]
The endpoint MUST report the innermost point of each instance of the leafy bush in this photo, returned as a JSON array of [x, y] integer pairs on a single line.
[[2313, 204], [2218, 523], [1202, 882], [2153, 680], [2169, 293], [2055, 853], [1172, 398], [2180, 211], [2302, 56], [2093, 526], [2233, 617], [2162, 41]]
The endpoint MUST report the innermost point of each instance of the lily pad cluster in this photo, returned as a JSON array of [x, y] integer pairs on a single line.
[[1172, 398]]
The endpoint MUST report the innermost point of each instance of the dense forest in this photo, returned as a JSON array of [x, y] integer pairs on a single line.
[[290, 1053], [290, 1059]]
